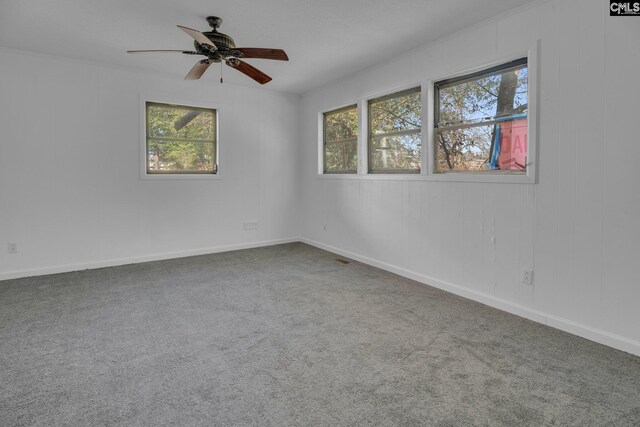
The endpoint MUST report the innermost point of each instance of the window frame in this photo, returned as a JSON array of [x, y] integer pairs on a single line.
[[323, 121], [428, 147], [394, 94], [530, 175], [189, 103], [437, 86]]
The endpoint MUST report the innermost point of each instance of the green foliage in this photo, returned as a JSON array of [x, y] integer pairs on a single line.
[[180, 139], [397, 113], [341, 140], [395, 123]]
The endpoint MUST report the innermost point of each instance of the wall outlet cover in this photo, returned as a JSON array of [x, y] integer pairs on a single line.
[[251, 225]]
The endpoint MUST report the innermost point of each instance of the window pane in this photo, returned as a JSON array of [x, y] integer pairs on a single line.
[[341, 140], [176, 121], [394, 132], [398, 112], [512, 146], [180, 139], [180, 157], [498, 98], [341, 156], [389, 153], [470, 149], [341, 125]]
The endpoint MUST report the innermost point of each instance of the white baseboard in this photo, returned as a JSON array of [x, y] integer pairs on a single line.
[[612, 340], [16, 274]]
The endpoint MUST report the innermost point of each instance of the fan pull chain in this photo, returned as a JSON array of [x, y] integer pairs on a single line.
[[221, 72]]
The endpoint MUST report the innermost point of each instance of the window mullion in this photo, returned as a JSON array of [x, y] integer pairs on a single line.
[[339, 141], [427, 153], [162, 139], [396, 133], [363, 136]]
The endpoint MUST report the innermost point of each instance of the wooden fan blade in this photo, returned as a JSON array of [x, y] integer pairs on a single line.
[[186, 52], [198, 70], [250, 71], [257, 52], [199, 37]]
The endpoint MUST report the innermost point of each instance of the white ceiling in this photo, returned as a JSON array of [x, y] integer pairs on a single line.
[[325, 39]]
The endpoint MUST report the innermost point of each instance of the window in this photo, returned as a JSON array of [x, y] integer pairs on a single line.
[[395, 123], [180, 139], [340, 141], [481, 121]]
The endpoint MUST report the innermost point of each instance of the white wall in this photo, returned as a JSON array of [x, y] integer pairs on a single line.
[[577, 228], [70, 193]]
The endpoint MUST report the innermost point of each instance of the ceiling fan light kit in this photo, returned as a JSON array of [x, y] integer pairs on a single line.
[[217, 48]]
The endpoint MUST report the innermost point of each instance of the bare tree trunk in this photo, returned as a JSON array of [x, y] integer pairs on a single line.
[[506, 97], [447, 154]]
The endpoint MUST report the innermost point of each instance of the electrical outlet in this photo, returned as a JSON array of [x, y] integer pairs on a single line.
[[251, 225], [527, 277], [12, 248]]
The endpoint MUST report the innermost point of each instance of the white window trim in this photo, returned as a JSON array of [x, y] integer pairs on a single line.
[[428, 131], [529, 177], [144, 98]]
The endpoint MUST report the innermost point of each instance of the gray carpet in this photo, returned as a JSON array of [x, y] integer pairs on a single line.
[[286, 335]]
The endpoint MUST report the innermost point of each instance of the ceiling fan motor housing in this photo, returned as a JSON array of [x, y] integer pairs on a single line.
[[224, 43], [220, 40]]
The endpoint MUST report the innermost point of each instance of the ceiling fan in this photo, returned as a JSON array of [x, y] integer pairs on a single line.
[[218, 47]]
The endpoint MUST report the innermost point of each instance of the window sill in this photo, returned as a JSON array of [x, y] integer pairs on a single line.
[[495, 178], [441, 177], [185, 176]]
